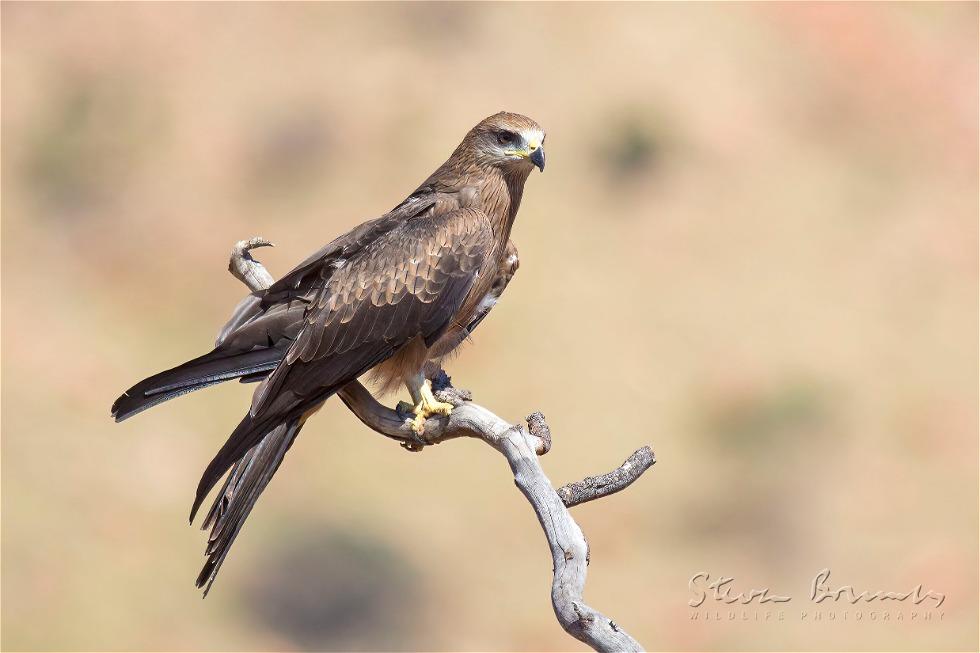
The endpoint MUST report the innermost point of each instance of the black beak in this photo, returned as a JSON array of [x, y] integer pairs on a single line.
[[537, 158]]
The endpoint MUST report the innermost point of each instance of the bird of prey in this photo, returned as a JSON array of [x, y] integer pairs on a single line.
[[391, 297]]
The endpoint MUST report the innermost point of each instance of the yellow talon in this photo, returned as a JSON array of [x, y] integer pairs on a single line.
[[428, 406]]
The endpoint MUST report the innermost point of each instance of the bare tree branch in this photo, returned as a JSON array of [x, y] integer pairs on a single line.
[[521, 446], [596, 487], [245, 268]]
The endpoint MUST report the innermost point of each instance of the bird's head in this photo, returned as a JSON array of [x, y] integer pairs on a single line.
[[508, 140]]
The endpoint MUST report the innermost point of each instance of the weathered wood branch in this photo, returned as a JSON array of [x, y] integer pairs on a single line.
[[520, 445], [245, 268], [596, 487]]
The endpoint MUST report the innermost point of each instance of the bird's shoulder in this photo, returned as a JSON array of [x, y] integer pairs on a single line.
[[453, 188], [407, 283], [318, 266], [430, 215], [412, 257]]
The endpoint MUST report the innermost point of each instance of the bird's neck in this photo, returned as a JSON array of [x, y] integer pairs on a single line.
[[472, 183], [500, 198]]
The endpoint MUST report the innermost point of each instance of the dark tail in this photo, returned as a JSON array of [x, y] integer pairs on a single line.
[[241, 490], [214, 367], [253, 453]]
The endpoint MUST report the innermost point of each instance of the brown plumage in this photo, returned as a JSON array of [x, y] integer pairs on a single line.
[[389, 297]]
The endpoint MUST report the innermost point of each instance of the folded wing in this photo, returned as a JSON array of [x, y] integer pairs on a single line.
[[409, 283]]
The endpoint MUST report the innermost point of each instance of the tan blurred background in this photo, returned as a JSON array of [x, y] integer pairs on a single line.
[[757, 233]]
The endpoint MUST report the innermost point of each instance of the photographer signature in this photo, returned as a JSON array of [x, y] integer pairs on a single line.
[[721, 590]]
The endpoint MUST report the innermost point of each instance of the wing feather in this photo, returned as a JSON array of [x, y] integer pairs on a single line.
[[333, 253], [346, 332]]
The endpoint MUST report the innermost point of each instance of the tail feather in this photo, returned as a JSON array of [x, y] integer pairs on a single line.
[[201, 372], [242, 488], [242, 440]]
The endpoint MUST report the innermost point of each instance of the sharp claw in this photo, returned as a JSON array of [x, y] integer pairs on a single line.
[[418, 423], [426, 408], [442, 408]]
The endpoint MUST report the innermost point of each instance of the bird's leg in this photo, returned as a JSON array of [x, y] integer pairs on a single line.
[[426, 404]]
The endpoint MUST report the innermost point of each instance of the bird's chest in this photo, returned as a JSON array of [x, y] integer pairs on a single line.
[[491, 198]]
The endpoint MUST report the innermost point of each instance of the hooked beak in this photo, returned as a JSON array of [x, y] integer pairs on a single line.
[[537, 157]]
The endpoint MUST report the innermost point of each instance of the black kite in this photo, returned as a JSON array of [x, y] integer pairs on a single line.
[[390, 297]]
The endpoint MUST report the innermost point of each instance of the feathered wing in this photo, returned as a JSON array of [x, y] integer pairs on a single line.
[[309, 274], [408, 283], [265, 323]]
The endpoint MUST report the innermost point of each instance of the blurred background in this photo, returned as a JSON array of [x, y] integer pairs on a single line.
[[757, 232]]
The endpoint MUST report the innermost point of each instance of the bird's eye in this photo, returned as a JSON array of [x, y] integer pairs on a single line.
[[506, 137]]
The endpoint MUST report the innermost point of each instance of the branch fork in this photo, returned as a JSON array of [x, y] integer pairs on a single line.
[[521, 445]]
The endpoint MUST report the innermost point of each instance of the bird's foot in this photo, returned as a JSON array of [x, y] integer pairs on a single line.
[[427, 407]]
